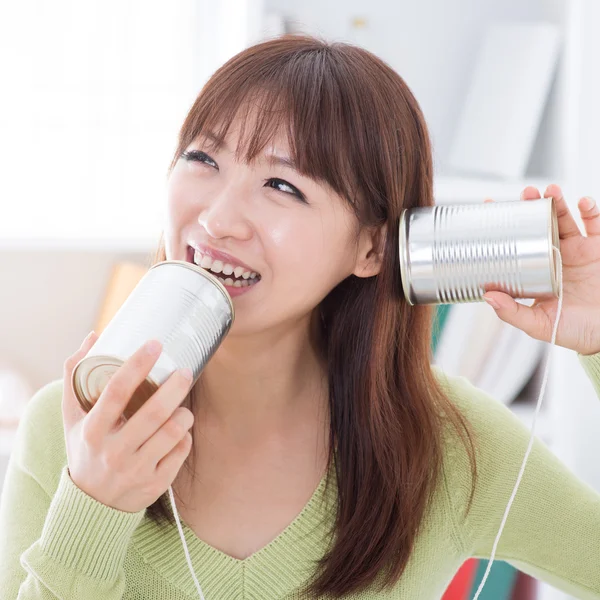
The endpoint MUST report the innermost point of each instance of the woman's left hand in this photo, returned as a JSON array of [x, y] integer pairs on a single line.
[[579, 324]]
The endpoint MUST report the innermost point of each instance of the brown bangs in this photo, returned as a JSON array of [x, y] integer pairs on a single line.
[[299, 96]]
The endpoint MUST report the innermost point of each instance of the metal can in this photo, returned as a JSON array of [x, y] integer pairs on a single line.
[[178, 303], [455, 253]]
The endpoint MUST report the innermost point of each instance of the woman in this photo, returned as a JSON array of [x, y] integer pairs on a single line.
[[328, 458]]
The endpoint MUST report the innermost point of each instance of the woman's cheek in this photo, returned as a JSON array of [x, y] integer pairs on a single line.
[[279, 230]]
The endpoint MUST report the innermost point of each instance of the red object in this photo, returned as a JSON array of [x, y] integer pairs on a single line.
[[461, 584], [525, 587]]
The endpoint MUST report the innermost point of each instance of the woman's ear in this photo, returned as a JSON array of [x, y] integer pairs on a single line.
[[369, 257]]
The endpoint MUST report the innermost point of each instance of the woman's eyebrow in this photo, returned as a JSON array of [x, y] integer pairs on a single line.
[[282, 160], [216, 142]]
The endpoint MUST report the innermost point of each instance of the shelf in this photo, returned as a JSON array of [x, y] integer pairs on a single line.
[[461, 190], [89, 243], [447, 190]]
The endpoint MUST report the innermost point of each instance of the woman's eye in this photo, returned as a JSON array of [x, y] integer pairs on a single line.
[[285, 187], [199, 156]]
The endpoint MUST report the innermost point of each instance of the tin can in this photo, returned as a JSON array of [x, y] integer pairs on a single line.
[[455, 253], [178, 303]]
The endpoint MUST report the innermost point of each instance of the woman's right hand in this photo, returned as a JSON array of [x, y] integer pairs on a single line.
[[126, 465]]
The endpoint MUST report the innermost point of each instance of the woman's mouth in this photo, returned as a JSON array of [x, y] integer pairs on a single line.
[[235, 278]]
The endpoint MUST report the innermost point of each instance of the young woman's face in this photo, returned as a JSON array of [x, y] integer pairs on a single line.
[[289, 239]]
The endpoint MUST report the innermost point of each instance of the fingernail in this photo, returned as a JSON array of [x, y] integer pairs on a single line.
[[87, 339], [186, 374], [492, 303], [589, 203], [153, 347]]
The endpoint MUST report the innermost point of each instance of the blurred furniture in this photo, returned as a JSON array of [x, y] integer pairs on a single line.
[[123, 279]]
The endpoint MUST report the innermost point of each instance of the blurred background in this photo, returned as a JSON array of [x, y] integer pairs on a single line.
[[94, 93]]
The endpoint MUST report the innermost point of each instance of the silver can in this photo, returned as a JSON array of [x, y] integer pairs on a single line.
[[456, 253], [178, 303]]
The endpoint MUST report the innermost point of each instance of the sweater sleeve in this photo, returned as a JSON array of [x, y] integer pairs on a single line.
[[57, 542], [552, 531]]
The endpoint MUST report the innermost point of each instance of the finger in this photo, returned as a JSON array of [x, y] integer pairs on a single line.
[[590, 213], [170, 465], [567, 227], [108, 409], [530, 319], [166, 438], [71, 409], [530, 193], [154, 413]]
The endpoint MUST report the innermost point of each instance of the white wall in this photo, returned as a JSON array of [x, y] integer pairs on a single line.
[[432, 44], [585, 93]]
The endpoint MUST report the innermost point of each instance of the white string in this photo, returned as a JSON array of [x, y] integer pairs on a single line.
[[537, 410], [185, 548], [545, 379]]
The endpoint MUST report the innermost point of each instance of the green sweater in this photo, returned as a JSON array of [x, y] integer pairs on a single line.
[[58, 542]]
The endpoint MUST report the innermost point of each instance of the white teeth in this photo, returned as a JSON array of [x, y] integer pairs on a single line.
[[237, 283], [217, 266]]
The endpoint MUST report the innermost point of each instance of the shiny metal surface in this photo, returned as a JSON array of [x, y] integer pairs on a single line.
[[455, 253], [176, 302]]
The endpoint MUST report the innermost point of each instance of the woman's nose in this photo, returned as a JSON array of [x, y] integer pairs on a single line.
[[224, 217]]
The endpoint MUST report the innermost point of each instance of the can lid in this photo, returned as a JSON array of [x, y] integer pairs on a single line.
[[204, 273], [92, 376], [92, 373], [403, 255]]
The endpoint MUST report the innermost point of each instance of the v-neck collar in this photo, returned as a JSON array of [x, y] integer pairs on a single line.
[[284, 564]]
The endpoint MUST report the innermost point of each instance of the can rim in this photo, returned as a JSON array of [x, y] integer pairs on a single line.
[[403, 256], [204, 273], [103, 359], [77, 389], [554, 237]]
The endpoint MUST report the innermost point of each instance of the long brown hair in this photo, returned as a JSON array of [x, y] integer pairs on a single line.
[[353, 123]]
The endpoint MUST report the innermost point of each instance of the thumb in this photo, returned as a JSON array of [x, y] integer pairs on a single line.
[[514, 313], [72, 411]]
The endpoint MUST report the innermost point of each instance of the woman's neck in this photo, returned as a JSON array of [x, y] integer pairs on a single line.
[[264, 385]]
